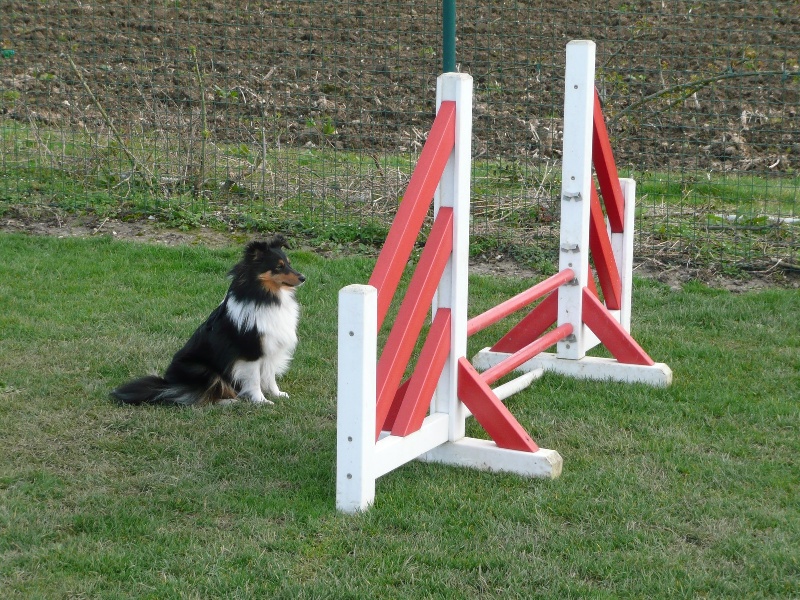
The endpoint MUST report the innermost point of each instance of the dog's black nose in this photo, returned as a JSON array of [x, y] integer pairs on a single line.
[[302, 278]]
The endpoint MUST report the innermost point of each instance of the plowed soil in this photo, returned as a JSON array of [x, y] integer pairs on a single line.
[[366, 71]]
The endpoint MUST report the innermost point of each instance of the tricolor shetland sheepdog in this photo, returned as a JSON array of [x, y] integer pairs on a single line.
[[244, 344]]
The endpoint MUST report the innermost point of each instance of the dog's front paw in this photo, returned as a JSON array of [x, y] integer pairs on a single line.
[[227, 401], [255, 399], [273, 390]]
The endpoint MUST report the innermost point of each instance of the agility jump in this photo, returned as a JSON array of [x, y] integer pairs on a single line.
[[384, 422]]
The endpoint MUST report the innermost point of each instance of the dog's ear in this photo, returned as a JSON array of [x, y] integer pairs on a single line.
[[255, 250], [277, 241]]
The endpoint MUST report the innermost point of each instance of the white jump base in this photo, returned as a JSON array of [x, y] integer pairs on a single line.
[[484, 455], [589, 367]]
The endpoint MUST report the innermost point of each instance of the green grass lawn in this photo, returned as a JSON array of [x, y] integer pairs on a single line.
[[685, 492]]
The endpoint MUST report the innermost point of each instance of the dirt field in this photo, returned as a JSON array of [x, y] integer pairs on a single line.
[[361, 75]]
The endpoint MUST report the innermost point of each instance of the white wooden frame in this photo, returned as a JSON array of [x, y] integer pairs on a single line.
[[360, 459], [570, 357]]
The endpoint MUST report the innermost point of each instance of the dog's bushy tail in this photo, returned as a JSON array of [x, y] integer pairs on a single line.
[[153, 389]]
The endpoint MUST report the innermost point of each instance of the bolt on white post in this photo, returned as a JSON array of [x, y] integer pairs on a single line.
[[576, 182], [356, 398]]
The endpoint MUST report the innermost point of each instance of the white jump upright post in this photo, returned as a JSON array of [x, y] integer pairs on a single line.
[[355, 431], [576, 185], [622, 244], [453, 192]]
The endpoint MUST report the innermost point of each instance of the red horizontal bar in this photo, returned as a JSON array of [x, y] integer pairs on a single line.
[[411, 213], [502, 310], [413, 310], [423, 382], [530, 327], [606, 170], [603, 256], [613, 335], [528, 352], [492, 414]]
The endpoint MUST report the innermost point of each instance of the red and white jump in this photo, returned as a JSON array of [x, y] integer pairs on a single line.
[[384, 422]]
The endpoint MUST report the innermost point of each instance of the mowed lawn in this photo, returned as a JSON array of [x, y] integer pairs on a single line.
[[685, 492]]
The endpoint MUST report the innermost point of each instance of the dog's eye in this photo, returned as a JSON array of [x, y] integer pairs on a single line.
[[281, 264]]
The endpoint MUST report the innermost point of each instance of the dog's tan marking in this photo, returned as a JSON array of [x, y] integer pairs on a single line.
[[218, 391], [288, 279], [270, 282], [273, 282]]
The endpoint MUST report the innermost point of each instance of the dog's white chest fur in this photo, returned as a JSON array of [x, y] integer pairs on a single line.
[[276, 325]]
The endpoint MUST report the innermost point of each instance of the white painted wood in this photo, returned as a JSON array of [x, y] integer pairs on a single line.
[[487, 456], [517, 384], [622, 244], [361, 460], [392, 451], [356, 398], [576, 182], [454, 191], [589, 367], [590, 340]]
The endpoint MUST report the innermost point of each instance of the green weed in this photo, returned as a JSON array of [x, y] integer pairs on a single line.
[[714, 222]]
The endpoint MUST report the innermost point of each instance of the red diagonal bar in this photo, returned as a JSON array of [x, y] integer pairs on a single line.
[[531, 327], [614, 337], [418, 394], [507, 365], [411, 316], [603, 255], [493, 416], [397, 401], [411, 214], [606, 170], [502, 310], [590, 282]]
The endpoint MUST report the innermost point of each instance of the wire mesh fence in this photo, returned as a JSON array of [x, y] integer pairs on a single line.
[[307, 116]]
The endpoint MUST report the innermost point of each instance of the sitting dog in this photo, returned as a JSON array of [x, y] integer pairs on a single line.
[[244, 344]]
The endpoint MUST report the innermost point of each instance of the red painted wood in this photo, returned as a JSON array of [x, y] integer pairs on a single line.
[[531, 327], [397, 401], [411, 213], [413, 310], [493, 416], [590, 283], [502, 310], [614, 337], [504, 367], [425, 378], [603, 256], [606, 170]]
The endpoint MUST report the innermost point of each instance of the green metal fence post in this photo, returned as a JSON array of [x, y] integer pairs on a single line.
[[448, 36]]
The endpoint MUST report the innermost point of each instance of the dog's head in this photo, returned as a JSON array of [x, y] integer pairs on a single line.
[[264, 261]]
